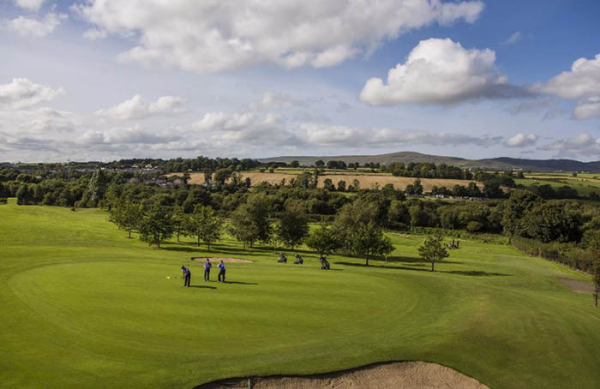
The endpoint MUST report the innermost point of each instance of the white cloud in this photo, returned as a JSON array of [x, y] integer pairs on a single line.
[[587, 109], [137, 108], [32, 5], [212, 36], [93, 34], [22, 92], [338, 135], [583, 81], [514, 38], [440, 71], [33, 26], [581, 145], [135, 135], [38, 121], [521, 140]]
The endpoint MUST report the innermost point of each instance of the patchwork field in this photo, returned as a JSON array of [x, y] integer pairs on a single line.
[[83, 306], [584, 183], [365, 180]]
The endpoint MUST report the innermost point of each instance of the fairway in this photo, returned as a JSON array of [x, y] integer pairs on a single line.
[[83, 306]]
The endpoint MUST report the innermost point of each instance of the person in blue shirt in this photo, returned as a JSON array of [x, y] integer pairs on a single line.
[[282, 258], [221, 276], [299, 260], [207, 266], [187, 276]]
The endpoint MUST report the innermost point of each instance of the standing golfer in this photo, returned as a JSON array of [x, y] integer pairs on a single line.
[[187, 276], [207, 266], [221, 271]]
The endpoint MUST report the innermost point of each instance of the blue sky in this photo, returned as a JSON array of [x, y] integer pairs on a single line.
[[105, 80]]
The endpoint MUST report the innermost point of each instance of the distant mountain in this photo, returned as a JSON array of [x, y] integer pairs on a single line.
[[503, 163]]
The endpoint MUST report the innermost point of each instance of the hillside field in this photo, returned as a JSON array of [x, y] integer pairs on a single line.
[[83, 306], [365, 180], [583, 183]]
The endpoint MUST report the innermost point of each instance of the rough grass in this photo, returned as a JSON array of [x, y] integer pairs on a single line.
[[83, 306]]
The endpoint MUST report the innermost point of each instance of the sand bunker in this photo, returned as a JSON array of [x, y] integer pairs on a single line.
[[225, 260], [578, 286], [399, 375]]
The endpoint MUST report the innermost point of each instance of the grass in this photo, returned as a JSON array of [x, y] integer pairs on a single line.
[[83, 306], [584, 183]]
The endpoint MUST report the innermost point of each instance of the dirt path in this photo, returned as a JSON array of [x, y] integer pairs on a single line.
[[398, 375]]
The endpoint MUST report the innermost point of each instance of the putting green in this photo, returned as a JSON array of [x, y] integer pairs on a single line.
[[82, 306]]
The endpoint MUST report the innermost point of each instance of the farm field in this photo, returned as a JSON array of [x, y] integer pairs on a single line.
[[83, 306], [365, 180], [585, 183]]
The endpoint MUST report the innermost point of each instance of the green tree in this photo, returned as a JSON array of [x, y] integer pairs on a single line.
[[433, 250], [156, 225], [179, 219], [369, 242], [204, 224], [515, 208], [319, 163], [126, 215], [222, 175], [250, 222], [592, 240], [357, 227], [292, 227], [324, 241], [549, 222]]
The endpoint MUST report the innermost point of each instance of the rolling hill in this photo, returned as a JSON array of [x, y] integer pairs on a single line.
[[503, 163]]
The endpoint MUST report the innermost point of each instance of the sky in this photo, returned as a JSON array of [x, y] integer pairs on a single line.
[[104, 80]]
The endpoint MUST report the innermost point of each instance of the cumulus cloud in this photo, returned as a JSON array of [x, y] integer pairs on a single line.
[[521, 140], [247, 127], [32, 5], [587, 109], [337, 135], [582, 144], [440, 71], [276, 100], [220, 35], [126, 135], [34, 26], [581, 83], [38, 121], [137, 108], [22, 93], [93, 34]]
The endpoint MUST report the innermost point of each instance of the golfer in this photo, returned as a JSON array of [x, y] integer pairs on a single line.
[[187, 276], [221, 271], [207, 266]]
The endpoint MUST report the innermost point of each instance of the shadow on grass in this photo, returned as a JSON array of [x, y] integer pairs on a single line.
[[240, 283], [203, 287], [470, 273]]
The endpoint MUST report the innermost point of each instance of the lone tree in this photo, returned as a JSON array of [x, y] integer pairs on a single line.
[[250, 221], [204, 225], [126, 215], [156, 225], [433, 250], [370, 242], [357, 228], [293, 224], [324, 241]]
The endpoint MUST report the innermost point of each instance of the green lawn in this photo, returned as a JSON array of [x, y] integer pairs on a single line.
[[83, 306]]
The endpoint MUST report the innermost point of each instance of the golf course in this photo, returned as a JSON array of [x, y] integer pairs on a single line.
[[81, 305]]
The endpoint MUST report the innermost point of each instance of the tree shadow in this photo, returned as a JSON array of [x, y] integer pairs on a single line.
[[240, 283], [476, 273], [402, 259], [470, 273], [203, 287]]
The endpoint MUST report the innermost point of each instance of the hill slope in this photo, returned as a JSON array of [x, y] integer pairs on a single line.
[[545, 165]]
